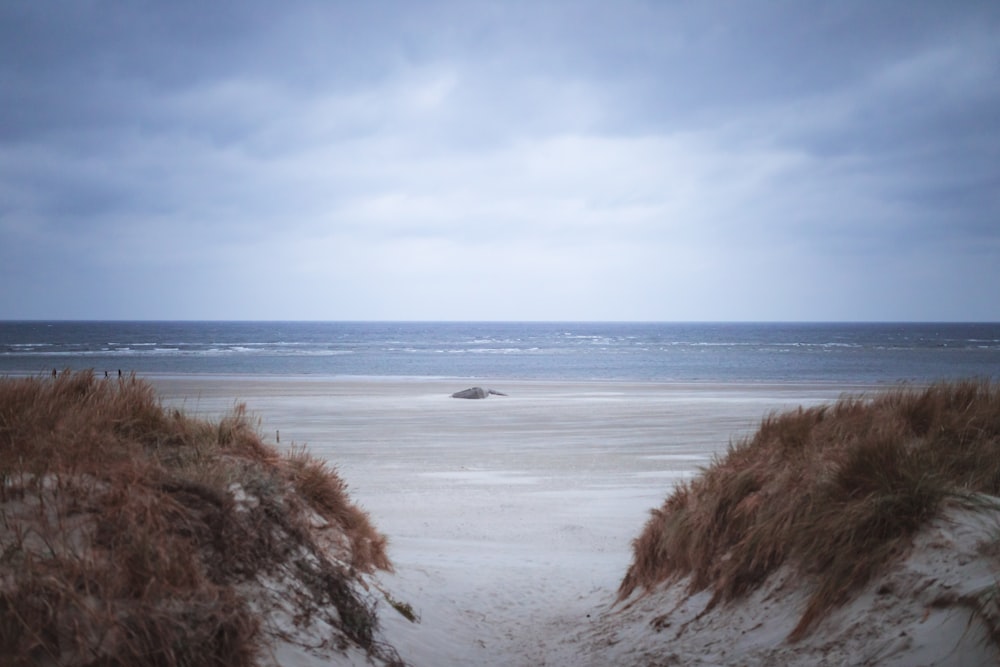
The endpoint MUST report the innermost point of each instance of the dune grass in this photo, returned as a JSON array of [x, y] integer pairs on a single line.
[[834, 491], [129, 532]]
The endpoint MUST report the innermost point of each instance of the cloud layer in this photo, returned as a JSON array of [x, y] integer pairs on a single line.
[[500, 160]]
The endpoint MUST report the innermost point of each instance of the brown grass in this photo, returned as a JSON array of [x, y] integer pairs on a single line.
[[834, 491], [128, 531]]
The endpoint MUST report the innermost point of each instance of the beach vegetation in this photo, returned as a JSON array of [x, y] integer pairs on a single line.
[[133, 534], [405, 609], [834, 491]]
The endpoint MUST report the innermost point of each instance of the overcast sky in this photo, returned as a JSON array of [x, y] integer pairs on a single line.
[[616, 160]]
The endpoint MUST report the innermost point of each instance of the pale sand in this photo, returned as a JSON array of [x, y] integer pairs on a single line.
[[510, 518]]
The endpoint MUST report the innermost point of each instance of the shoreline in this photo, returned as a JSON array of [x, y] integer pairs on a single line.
[[310, 377]]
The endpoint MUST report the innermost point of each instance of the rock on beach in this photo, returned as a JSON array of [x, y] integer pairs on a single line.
[[476, 392]]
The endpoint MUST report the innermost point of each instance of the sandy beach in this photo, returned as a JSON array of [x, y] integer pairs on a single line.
[[510, 519]]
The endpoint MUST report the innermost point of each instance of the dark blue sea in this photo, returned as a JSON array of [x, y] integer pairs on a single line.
[[674, 352]]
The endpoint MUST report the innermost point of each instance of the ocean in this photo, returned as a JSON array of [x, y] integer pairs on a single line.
[[836, 353]]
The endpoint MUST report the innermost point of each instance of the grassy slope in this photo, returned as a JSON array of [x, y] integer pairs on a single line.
[[131, 535], [835, 491]]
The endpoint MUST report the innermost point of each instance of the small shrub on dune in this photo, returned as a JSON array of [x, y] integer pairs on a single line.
[[127, 531], [834, 491]]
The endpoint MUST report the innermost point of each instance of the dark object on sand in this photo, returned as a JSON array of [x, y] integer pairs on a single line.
[[476, 392]]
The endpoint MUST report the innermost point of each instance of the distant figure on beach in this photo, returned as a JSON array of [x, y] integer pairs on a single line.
[[119, 373], [53, 372], [105, 374]]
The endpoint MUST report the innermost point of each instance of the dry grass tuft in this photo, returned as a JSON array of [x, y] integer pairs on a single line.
[[130, 534], [835, 491], [326, 493]]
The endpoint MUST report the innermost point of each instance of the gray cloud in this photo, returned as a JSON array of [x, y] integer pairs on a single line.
[[639, 160]]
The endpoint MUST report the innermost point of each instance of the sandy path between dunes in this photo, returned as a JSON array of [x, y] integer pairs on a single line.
[[510, 518]]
